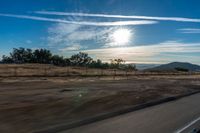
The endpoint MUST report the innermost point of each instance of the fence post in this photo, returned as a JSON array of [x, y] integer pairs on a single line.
[[126, 74], [15, 72], [114, 73], [86, 71], [101, 72], [45, 71], [68, 71]]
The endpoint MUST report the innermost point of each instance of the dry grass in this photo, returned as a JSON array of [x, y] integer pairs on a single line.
[[44, 70], [50, 70]]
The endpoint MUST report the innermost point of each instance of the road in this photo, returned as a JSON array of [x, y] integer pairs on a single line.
[[179, 116]]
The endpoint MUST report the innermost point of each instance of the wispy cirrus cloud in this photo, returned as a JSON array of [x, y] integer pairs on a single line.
[[66, 35], [190, 30], [69, 34], [179, 19], [58, 34], [73, 47], [87, 23], [70, 37]]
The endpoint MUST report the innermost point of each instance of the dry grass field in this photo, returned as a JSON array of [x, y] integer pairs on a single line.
[[45, 70], [32, 103]]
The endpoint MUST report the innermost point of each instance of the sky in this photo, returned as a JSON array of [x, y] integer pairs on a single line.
[[138, 31]]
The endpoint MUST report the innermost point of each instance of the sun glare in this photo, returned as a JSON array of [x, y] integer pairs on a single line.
[[121, 36]]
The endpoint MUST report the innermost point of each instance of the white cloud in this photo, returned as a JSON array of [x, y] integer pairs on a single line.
[[190, 30], [74, 47], [28, 41], [63, 28], [82, 35], [88, 23], [160, 53], [62, 35], [180, 19], [69, 34], [58, 33]]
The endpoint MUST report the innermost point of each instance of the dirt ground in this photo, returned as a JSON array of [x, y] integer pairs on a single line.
[[30, 104]]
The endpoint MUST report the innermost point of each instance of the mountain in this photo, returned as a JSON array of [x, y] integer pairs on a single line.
[[174, 65], [145, 66]]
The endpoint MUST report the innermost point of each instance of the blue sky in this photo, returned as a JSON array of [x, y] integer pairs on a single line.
[[150, 31]]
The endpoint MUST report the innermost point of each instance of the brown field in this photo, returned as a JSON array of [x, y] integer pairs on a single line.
[[31, 98], [43, 70]]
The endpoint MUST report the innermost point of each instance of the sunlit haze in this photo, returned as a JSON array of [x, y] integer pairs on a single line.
[[121, 36]]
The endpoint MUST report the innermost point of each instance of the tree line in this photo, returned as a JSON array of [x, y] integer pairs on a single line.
[[44, 56]]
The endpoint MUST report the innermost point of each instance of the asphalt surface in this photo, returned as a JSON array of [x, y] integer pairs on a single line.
[[180, 116]]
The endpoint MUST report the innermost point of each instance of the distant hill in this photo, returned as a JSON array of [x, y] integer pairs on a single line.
[[145, 66], [174, 65]]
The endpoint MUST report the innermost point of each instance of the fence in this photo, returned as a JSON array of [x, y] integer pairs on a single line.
[[40, 70]]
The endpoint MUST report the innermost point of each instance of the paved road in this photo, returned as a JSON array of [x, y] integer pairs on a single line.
[[172, 117]]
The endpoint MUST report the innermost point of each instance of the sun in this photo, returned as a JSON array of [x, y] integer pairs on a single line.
[[121, 36]]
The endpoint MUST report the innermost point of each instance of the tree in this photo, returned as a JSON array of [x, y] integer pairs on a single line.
[[105, 65], [29, 56], [6, 59], [181, 69], [116, 63], [18, 55], [42, 56], [131, 67], [80, 59], [67, 61], [58, 60], [96, 64]]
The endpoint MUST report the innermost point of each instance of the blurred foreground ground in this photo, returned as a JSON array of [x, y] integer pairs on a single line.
[[30, 104]]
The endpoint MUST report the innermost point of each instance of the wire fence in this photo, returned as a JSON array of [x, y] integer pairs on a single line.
[[40, 70]]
